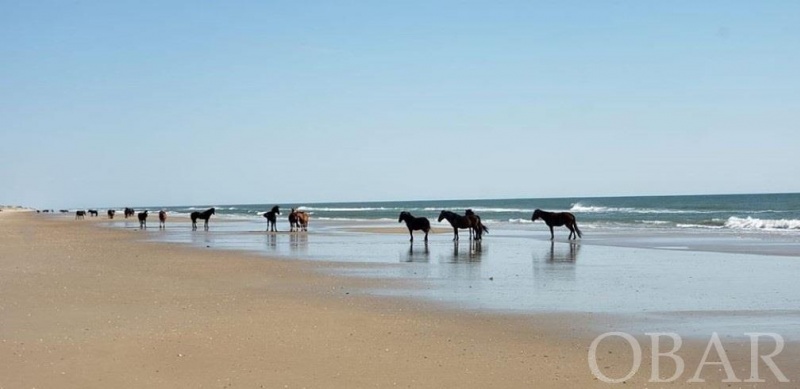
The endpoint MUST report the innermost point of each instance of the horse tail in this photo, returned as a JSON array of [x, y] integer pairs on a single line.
[[484, 228]]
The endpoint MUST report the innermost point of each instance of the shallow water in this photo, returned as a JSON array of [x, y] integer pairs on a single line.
[[662, 282]]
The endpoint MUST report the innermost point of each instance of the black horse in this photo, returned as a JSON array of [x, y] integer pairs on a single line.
[[205, 215], [415, 223], [80, 214], [272, 218], [558, 219], [111, 213], [142, 220], [93, 212], [470, 220], [129, 212]]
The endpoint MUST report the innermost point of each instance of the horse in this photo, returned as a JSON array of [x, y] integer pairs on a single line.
[[272, 218], [558, 219], [111, 213], [301, 220], [162, 219], [205, 215], [93, 212], [129, 212], [142, 220], [293, 220], [415, 223], [80, 214], [470, 220]]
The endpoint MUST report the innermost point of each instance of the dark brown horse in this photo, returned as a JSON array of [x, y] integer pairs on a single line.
[[129, 212], [80, 214], [93, 213], [470, 220], [272, 218], [415, 223], [142, 220], [111, 213], [293, 220], [205, 215], [162, 219], [558, 219]]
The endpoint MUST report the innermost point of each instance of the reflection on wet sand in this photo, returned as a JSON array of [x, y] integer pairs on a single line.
[[471, 253], [298, 242], [570, 255], [556, 265], [418, 254]]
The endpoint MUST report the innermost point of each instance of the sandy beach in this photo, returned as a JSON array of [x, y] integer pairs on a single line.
[[86, 306]]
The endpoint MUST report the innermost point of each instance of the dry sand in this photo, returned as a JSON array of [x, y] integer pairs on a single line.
[[84, 306]]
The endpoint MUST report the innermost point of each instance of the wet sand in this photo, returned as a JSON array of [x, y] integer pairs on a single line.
[[86, 306]]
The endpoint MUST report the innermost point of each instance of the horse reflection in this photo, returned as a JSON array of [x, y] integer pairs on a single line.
[[418, 255], [473, 254], [298, 242], [569, 256], [272, 241]]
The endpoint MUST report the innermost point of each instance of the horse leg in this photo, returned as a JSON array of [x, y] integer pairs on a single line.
[[455, 233], [571, 232], [551, 233], [426, 236], [411, 232]]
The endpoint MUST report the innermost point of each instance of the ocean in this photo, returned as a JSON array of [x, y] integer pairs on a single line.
[[747, 212]]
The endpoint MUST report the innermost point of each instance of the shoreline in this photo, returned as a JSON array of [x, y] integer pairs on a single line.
[[88, 307]]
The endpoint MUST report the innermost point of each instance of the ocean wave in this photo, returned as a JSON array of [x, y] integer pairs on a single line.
[[578, 207], [751, 223], [706, 226], [351, 219], [360, 209], [520, 221]]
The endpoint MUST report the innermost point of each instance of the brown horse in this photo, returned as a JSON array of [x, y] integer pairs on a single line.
[[111, 213], [129, 212], [558, 219], [162, 219], [298, 220], [415, 223], [470, 220]]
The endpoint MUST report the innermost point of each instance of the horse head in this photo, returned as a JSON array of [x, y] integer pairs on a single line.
[[403, 216], [442, 216], [275, 209], [536, 214], [213, 211]]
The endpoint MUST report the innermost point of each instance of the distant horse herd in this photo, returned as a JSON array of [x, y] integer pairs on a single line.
[[298, 221]]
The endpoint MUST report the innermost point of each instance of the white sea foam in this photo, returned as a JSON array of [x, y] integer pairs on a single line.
[[750, 223], [334, 209], [520, 221], [578, 207], [705, 226]]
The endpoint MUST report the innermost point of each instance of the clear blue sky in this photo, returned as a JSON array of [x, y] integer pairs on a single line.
[[184, 102]]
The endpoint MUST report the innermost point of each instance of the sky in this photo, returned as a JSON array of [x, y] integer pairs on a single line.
[[185, 102]]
